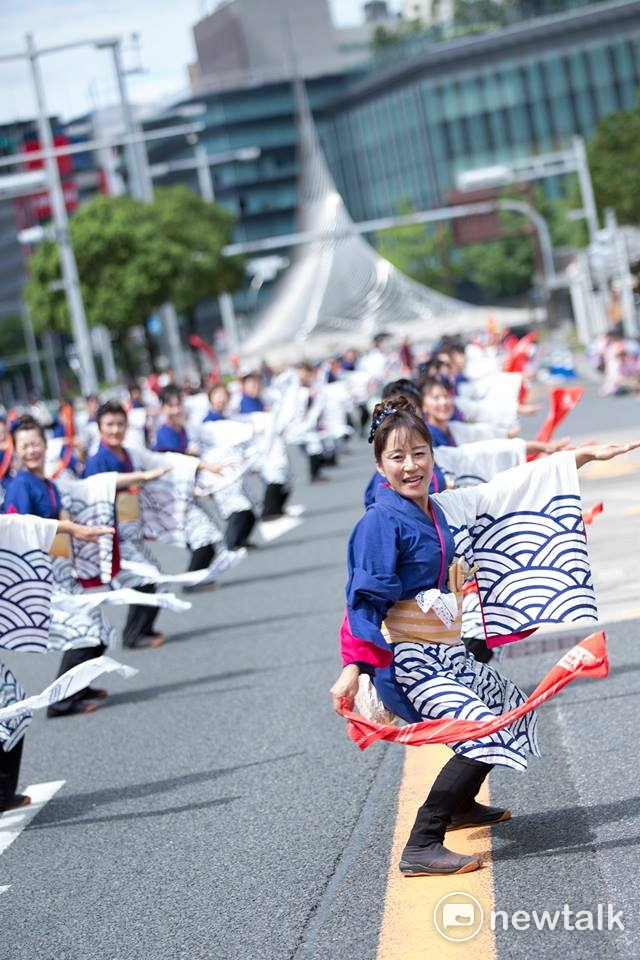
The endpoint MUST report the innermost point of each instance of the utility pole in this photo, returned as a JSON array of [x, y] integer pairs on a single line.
[[225, 300], [32, 349], [131, 151], [87, 375], [586, 187], [141, 187]]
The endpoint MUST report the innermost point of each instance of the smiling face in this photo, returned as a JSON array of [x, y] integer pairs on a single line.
[[251, 386], [437, 405], [113, 427], [30, 450], [218, 398], [407, 464], [173, 412]]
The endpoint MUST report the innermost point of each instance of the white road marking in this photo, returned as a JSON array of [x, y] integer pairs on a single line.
[[272, 529], [13, 822], [5, 888]]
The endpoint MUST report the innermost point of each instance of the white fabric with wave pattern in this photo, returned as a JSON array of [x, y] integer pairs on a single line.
[[529, 543]]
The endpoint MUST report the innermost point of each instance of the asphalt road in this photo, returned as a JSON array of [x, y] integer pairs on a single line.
[[214, 809]]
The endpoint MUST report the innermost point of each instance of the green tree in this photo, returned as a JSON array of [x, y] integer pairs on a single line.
[[502, 267], [421, 251], [614, 160], [11, 335], [132, 257], [564, 231], [199, 230], [384, 37]]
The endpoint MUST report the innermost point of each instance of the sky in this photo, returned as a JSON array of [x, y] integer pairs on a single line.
[[81, 79]]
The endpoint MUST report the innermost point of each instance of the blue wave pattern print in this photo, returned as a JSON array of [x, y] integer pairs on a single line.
[[93, 560], [443, 681], [11, 692], [163, 507], [534, 567], [25, 600]]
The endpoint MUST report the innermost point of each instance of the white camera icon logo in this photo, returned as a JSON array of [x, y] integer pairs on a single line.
[[458, 917]]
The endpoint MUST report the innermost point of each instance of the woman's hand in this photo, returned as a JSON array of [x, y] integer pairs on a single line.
[[154, 474], [527, 409], [546, 447], [552, 446], [79, 531], [603, 451], [214, 468], [343, 692]]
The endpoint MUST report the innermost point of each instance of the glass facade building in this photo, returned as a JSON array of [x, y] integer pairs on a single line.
[[262, 193], [403, 134]]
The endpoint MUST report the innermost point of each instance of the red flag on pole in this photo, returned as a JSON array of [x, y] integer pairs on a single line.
[[561, 403]]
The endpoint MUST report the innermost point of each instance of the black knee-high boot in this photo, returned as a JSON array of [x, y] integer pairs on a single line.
[[239, 529], [316, 461], [470, 813], [9, 771], [201, 557], [455, 786], [275, 497]]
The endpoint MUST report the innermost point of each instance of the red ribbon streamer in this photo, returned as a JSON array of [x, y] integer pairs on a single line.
[[518, 352], [588, 659], [588, 515]]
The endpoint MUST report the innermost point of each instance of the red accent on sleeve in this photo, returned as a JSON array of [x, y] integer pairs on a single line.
[[356, 650]]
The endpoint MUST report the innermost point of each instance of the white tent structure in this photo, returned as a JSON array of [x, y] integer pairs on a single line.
[[340, 292]]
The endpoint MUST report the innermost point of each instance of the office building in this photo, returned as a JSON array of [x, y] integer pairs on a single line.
[[401, 134]]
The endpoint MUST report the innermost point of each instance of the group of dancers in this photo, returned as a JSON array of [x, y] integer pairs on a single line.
[[85, 495], [435, 572]]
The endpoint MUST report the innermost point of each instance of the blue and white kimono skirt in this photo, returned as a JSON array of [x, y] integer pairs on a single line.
[[38, 497], [130, 532], [200, 527]]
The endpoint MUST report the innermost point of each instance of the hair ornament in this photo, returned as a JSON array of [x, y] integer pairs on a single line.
[[375, 423]]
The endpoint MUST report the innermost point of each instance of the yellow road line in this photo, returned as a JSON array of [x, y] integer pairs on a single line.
[[408, 931]]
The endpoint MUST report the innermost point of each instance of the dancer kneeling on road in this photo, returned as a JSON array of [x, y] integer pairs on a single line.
[[401, 546]]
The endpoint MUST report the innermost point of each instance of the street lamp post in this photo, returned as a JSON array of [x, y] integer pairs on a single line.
[[539, 167], [131, 148], [87, 371], [439, 215]]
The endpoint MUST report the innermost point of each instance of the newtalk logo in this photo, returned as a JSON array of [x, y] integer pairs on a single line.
[[459, 916]]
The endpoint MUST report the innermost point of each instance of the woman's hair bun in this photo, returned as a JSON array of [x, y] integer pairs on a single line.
[[394, 404]]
